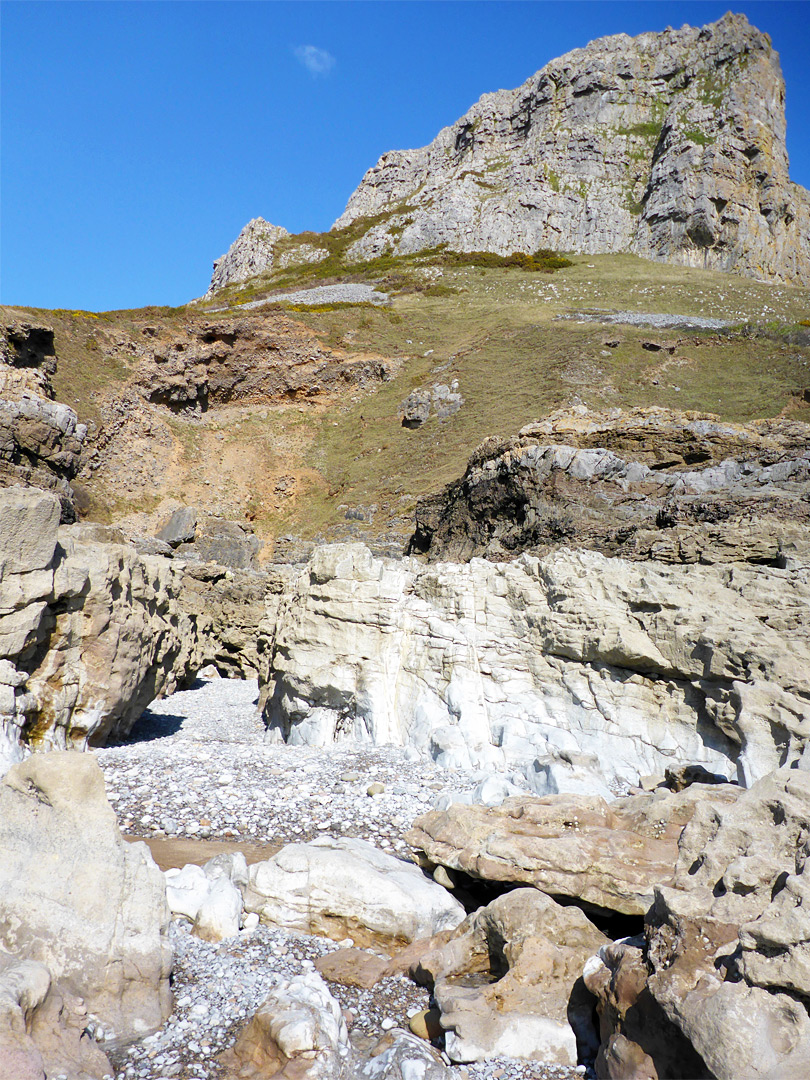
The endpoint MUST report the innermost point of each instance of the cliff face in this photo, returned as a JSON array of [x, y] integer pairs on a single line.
[[40, 439], [669, 145]]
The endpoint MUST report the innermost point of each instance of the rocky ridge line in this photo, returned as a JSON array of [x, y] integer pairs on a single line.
[[670, 145]]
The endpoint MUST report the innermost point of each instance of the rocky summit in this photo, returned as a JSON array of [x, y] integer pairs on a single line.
[[669, 145], [404, 648]]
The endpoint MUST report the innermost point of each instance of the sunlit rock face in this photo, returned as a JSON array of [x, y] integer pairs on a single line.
[[670, 145], [636, 666], [91, 631]]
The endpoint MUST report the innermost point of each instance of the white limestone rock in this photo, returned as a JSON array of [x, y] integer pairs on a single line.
[[299, 1024], [75, 897], [186, 890], [249, 254], [668, 144], [641, 666], [533, 950], [399, 1055], [220, 913], [346, 887]]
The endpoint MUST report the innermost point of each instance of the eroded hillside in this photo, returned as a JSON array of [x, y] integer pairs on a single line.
[[299, 422]]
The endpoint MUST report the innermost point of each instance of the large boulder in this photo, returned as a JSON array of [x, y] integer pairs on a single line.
[[402, 1056], [536, 1006], [577, 846], [721, 978], [346, 887], [298, 1033], [44, 1030], [78, 899], [637, 1038]]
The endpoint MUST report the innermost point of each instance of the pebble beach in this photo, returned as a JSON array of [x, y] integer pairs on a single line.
[[196, 773]]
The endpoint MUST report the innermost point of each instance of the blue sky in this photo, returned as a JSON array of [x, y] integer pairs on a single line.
[[139, 137]]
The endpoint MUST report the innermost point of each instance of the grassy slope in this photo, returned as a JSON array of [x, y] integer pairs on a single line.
[[497, 334]]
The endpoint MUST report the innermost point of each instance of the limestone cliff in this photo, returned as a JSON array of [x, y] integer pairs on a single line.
[[670, 145], [572, 661], [91, 631]]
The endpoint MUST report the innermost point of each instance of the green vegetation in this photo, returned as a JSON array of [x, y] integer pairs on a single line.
[[650, 129], [635, 206], [698, 137], [543, 260], [712, 88], [474, 317]]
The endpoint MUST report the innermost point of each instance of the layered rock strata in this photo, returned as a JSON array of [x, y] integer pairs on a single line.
[[40, 439], [91, 631], [256, 358], [522, 664], [642, 484], [569, 846], [670, 145]]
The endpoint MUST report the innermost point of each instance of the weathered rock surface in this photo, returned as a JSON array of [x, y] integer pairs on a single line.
[[671, 145], [353, 967], [91, 631], [298, 1034], [637, 1038], [212, 362], [257, 249], [241, 372], [43, 1028], [577, 846], [724, 958], [535, 950], [440, 400], [77, 899], [40, 439], [249, 254], [401, 1056], [205, 538], [344, 886], [642, 484], [643, 665]]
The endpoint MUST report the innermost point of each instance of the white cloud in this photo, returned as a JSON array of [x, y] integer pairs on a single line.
[[316, 61]]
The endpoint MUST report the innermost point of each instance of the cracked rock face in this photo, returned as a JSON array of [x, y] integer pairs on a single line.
[[670, 145], [91, 631], [77, 899], [679, 487], [535, 950], [40, 439], [577, 846], [493, 665], [249, 254]]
